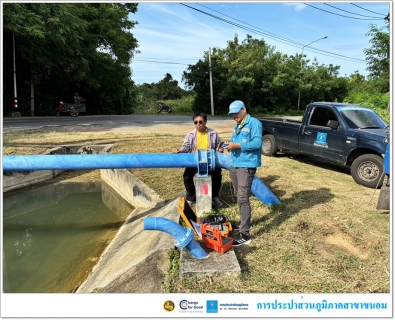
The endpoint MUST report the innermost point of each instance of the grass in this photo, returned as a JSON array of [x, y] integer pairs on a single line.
[[325, 237]]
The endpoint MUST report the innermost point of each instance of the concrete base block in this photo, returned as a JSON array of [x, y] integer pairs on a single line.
[[204, 195], [216, 263], [384, 198]]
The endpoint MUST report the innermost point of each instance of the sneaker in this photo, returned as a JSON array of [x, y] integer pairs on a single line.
[[241, 239], [217, 202], [191, 203]]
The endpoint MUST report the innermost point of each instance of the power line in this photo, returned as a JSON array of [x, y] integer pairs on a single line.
[[162, 62], [340, 15], [249, 24], [368, 10], [178, 59], [278, 38], [351, 12]]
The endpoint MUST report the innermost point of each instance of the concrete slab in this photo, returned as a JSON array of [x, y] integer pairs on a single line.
[[216, 263], [133, 190]]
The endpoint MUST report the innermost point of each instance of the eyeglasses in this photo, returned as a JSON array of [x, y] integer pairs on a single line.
[[196, 122]]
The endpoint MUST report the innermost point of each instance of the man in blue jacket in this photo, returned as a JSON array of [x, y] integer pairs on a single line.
[[245, 149]]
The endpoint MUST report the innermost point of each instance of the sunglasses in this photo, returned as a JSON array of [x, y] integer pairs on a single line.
[[196, 122]]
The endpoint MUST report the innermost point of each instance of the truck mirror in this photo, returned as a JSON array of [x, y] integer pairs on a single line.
[[332, 124]]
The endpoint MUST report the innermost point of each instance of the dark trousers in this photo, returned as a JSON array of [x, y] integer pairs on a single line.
[[189, 174], [242, 179]]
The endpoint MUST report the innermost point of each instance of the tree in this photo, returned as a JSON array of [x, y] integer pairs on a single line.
[[238, 71], [62, 48], [378, 55], [167, 88], [265, 79], [374, 92]]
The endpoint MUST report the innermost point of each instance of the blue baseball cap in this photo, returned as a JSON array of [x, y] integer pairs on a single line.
[[236, 106]]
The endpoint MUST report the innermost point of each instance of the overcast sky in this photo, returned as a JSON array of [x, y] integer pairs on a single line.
[[172, 35]]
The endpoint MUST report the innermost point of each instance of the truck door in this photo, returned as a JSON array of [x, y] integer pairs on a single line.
[[317, 139]]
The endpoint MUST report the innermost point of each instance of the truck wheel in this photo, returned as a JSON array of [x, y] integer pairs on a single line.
[[74, 112], [367, 170], [269, 145]]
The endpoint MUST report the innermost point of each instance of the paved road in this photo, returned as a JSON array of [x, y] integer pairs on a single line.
[[23, 123]]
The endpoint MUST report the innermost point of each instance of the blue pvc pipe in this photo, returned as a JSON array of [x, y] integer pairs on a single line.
[[98, 161], [183, 237], [259, 189], [387, 159], [125, 161]]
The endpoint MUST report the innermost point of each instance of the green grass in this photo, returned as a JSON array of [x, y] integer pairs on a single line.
[[325, 237]]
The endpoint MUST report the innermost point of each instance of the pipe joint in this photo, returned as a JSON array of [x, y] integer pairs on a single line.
[[185, 240]]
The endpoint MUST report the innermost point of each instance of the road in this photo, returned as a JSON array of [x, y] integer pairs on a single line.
[[24, 123]]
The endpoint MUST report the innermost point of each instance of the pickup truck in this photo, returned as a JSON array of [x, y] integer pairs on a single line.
[[346, 134]]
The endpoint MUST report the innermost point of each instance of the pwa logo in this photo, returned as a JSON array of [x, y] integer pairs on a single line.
[[169, 305], [212, 306]]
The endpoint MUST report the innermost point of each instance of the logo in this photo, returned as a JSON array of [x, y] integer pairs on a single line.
[[321, 138], [184, 304], [190, 307], [169, 306], [212, 306]]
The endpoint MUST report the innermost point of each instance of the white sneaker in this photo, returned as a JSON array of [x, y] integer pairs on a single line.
[[217, 202]]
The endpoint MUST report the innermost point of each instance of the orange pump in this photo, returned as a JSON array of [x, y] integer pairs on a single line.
[[213, 238], [193, 222]]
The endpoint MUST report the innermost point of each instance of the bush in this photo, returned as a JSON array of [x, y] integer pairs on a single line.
[[375, 101], [181, 106]]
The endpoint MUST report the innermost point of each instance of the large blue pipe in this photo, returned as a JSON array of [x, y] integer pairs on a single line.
[[259, 189], [98, 161], [120, 161], [183, 237]]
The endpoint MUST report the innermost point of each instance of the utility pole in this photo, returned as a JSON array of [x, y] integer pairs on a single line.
[[211, 82], [15, 113], [301, 64]]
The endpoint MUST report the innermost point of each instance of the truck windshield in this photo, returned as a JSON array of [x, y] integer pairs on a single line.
[[362, 118]]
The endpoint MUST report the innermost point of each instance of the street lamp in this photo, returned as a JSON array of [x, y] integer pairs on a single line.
[[301, 62]]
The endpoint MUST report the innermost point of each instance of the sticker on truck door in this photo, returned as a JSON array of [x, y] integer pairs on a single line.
[[320, 141]]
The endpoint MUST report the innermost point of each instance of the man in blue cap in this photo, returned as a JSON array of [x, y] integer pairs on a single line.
[[245, 149]]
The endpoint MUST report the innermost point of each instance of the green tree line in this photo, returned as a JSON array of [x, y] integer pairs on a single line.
[[269, 81], [62, 48]]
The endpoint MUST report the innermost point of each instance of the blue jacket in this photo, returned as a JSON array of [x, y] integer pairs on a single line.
[[250, 138]]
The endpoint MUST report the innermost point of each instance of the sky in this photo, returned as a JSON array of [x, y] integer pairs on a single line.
[[172, 35]]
